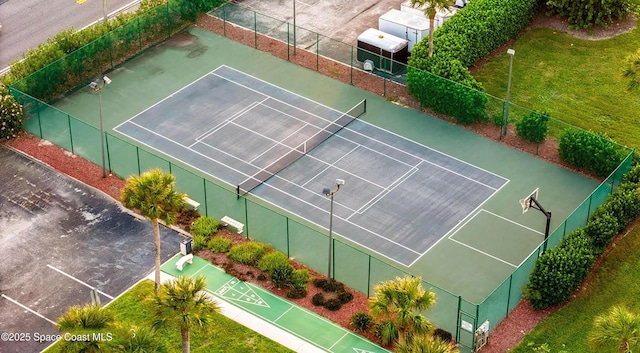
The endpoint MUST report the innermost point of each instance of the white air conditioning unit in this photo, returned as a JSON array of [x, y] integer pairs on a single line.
[[481, 337]]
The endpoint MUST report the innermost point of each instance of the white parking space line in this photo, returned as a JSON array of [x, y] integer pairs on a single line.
[[79, 281], [27, 308]]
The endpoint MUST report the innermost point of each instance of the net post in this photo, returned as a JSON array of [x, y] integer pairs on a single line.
[[238, 192]]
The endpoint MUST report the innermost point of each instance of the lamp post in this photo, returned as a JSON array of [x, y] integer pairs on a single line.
[[503, 132], [97, 87], [327, 192]]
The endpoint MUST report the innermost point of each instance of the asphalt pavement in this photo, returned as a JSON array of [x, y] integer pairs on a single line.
[[59, 239], [28, 23]]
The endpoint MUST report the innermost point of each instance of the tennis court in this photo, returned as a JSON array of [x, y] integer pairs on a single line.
[[286, 148]]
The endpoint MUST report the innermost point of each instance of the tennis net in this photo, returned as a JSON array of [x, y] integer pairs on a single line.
[[307, 146]]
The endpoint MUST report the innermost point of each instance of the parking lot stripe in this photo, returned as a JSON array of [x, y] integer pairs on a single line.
[[27, 308], [79, 281]]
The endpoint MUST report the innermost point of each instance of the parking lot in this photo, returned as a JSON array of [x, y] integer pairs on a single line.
[[59, 239]]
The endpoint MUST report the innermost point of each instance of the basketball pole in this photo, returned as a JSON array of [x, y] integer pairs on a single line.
[[539, 207]]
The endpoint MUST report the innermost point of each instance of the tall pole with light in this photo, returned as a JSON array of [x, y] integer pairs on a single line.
[[503, 132], [97, 87], [327, 192]]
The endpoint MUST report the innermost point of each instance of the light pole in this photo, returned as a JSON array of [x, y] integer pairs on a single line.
[[503, 132], [329, 193], [97, 87]]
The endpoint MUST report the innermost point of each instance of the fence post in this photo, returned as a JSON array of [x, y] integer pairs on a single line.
[[255, 30], [224, 20], [139, 33], [106, 145], [369, 277], [351, 68], [317, 51], [204, 185], [138, 159], [70, 133], [246, 216], [288, 251], [288, 44]]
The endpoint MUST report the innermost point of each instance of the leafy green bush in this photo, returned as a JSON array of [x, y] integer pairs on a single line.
[[199, 242], [533, 127], [586, 13], [560, 270], [249, 253], [386, 331], [361, 321], [498, 119], [585, 149], [296, 292], [219, 244], [272, 260], [204, 226], [623, 204], [281, 276], [300, 278], [632, 176], [601, 228], [11, 115]]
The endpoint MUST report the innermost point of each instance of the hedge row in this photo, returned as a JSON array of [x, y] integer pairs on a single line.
[[71, 58], [591, 151], [475, 31], [559, 271]]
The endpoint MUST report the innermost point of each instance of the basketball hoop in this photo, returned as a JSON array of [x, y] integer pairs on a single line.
[[526, 202], [525, 205]]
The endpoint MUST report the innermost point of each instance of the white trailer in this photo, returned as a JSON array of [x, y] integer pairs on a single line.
[[404, 25], [442, 15]]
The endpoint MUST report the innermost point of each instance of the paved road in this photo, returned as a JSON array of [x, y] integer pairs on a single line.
[[27, 23]]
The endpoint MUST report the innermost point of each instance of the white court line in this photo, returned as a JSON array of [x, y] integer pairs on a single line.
[[27, 308], [514, 222], [281, 315], [484, 253], [79, 281], [338, 341], [277, 144], [384, 192], [226, 121], [359, 133], [327, 167]]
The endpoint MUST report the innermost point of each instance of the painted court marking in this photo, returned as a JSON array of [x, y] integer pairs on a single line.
[[230, 291], [413, 161]]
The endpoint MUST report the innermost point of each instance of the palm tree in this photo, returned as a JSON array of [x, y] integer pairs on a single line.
[[616, 331], [400, 303], [426, 344], [154, 195], [184, 303], [81, 322], [432, 7]]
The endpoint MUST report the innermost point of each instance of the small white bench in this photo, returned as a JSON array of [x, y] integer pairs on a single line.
[[185, 259], [192, 204], [228, 221]]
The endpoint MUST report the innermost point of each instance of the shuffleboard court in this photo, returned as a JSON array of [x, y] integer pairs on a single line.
[[400, 198], [271, 308]]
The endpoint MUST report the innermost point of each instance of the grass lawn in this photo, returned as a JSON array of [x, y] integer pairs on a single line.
[[614, 282], [134, 309], [577, 81]]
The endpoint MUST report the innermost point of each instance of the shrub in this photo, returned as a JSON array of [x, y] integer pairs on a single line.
[[333, 304], [443, 335], [219, 244], [262, 277], [248, 253], [633, 176], [199, 242], [533, 127], [498, 119], [623, 204], [386, 331], [300, 278], [281, 276], [586, 13], [600, 229], [345, 297], [361, 321], [273, 260], [11, 115], [318, 299], [584, 149], [319, 282], [333, 286], [297, 292], [204, 226], [560, 270]]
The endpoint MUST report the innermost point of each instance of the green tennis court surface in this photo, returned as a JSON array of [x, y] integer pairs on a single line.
[[273, 309]]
